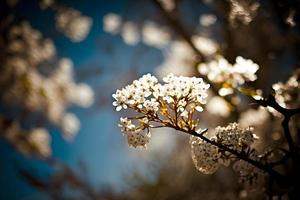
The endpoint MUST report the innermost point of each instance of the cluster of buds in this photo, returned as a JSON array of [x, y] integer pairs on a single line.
[[171, 104]]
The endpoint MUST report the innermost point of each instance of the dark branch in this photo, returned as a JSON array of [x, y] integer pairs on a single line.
[[241, 155], [287, 113]]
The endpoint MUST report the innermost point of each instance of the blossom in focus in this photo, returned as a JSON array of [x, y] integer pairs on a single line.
[[204, 155], [179, 95], [73, 24], [208, 157]]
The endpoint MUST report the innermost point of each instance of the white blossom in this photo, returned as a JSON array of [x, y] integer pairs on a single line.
[[130, 33], [204, 155], [234, 136], [74, 25], [288, 94], [154, 35], [182, 95], [70, 125], [40, 139], [243, 11], [177, 60], [231, 76], [168, 5], [112, 23], [39, 93], [218, 106], [205, 45], [207, 19]]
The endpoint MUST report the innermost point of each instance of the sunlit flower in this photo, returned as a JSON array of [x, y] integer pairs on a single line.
[[181, 95]]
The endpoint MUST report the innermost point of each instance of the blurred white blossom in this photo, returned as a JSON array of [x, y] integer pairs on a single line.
[[40, 139], [26, 86], [243, 11], [205, 45], [254, 117], [231, 76], [73, 24], [44, 4], [70, 125], [112, 23], [207, 19], [177, 60], [288, 94], [154, 35], [130, 33], [168, 5], [218, 106]]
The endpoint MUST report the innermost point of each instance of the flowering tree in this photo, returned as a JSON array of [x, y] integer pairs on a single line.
[[177, 102], [36, 85], [206, 86]]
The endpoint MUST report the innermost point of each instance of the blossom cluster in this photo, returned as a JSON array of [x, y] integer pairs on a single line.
[[249, 175], [35, 81], [150, 33], [221, 71], [170, 104], [243, 11], [35, 141], [288, 94], [73, 24], [208, 157]]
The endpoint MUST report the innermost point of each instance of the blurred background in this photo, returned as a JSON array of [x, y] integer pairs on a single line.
[[61, 61]]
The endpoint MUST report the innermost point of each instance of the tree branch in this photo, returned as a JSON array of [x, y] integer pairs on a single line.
[[264, 167], [287, 113], [179, 29]]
